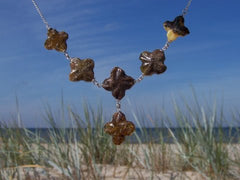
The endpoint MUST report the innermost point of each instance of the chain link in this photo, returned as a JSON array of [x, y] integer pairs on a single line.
[[40, 13]]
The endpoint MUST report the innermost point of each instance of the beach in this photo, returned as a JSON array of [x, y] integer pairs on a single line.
[[166, 164]]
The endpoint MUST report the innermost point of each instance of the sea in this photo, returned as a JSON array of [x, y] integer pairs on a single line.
[[154, 135]]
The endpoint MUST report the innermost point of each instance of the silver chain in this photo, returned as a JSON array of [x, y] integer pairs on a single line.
[[140, 78], [96, 83], [185, 10], [118, 105], [67, 55], [40, 13], [166, 46]]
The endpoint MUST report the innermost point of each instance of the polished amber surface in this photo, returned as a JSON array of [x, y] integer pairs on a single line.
[[119, 127], [152, 62], [118, 83], [175, 28], [56, 40], [81, 70]]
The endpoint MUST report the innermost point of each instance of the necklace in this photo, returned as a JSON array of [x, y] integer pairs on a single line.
[[118, 82]]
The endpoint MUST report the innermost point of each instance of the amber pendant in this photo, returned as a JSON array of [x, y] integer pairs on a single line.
[[81, 70], [118, 83], [119, 127], [175, 28], [56, 40], [152, 62]]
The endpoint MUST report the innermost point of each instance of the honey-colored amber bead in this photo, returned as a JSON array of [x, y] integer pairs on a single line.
[[81, 70], [175, 28], [119, 127], [56, 40], [152, 62], [118, 83]]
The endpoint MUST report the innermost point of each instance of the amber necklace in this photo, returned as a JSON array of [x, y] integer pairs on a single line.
[[118, 82]]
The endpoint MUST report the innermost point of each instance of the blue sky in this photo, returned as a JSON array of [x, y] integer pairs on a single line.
[[114, 33]]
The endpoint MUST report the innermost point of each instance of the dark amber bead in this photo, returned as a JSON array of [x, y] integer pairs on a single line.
[[152, 62], [119, 127], [127, 128], [175, 28], [117, 140], [81, 70], [56, 40], [110, 128], [118, 83]]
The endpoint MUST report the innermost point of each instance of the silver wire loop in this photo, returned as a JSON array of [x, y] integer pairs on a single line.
[[41, 15]]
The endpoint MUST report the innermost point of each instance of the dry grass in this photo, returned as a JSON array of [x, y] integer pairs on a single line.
[[87, 153]]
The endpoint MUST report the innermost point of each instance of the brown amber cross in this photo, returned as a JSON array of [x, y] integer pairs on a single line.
[[175, 28], [56, 40], [81, 70], [152, 62], [118, 83], [119, 127]]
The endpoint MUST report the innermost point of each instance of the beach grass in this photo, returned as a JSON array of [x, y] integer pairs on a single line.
[[198, 149]]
